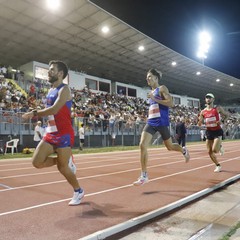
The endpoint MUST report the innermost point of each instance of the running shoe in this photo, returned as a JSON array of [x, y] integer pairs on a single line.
[[141, 180], [218, 168], [186, 154], [72, 165], [221, 151], [77, 197]]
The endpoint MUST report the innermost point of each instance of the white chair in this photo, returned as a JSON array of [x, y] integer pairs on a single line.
[[12, 144]]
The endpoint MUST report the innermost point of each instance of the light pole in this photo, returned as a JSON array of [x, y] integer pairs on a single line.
[[204, 44]]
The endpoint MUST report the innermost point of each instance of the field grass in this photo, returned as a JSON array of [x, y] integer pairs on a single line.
[[95, 150], [77, 151], [231, 232]]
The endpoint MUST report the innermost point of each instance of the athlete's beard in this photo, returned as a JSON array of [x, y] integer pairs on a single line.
[[209, 103], [53, 79]]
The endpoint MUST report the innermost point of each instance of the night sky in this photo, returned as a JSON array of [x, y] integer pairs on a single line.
[[176, 24]]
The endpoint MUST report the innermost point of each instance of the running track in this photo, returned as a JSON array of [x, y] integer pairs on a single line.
[[34, 203]]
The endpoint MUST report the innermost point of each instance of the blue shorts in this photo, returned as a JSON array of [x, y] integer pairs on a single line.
[[57, 140]]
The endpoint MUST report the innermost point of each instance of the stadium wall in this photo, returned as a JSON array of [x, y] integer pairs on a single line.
[[78, 80]]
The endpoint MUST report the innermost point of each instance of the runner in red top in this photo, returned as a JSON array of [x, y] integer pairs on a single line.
[[211, 117], [59, 136]]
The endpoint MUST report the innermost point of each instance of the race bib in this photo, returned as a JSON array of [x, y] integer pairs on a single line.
[[211, 122], [51, 127], [154, 111]]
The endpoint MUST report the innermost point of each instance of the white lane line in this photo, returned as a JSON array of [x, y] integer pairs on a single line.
[[107, 190], [118, 172], [87, 168], [101, 166], [77, 163], [152, 154], [62, 200], [89, 156], [5, 186], [90, 177], [97, 156]]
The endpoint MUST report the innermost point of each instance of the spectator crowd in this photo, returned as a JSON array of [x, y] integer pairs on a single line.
[[97, 110]]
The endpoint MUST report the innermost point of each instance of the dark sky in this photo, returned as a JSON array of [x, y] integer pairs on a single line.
[[176, 24]]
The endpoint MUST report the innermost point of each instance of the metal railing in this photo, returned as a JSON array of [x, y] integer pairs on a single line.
[[98, 133]]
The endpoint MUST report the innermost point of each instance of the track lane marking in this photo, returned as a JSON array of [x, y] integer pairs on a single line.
[[105, 191], [100, 166], [5, 186], [109, 174]]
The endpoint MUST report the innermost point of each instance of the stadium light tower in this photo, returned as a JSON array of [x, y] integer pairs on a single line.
[[204, 44]]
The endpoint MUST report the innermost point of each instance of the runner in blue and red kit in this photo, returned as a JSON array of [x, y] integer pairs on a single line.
[[59, 131], [59, 136]]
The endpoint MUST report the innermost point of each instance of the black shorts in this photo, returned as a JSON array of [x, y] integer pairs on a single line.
[[163, 130], [211, 135]]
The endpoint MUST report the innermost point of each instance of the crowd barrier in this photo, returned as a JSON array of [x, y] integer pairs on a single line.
[[98, 133]]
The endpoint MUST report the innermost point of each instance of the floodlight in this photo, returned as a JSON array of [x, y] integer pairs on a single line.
[[105, 29], [204, 39], [53, 4]]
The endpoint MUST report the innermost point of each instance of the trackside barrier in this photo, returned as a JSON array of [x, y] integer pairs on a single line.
[[98, 133]]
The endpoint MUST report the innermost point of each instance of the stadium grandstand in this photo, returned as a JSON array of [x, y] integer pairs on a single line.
[[32, 32], [107, 74], [107, 78]]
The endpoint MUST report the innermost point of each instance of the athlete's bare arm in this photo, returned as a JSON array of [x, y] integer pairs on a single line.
[[64, 95], [223, 113], [166, 97], [200, 119]]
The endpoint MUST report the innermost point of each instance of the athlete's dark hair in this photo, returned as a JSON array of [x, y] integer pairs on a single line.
[[155, 72], [61, 66]]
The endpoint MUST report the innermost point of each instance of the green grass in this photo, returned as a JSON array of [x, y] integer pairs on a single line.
[[85, 151], [231, 232], [75, 151], [94, 150]]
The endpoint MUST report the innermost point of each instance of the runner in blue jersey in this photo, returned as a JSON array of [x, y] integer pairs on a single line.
[[158, 121]]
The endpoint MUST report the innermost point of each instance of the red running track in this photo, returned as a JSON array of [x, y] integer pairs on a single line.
[[34, 203]]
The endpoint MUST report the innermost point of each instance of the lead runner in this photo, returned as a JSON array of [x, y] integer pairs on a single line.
[[59, 136]]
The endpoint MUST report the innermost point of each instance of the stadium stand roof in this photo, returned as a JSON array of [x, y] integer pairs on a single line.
[[30, 32]]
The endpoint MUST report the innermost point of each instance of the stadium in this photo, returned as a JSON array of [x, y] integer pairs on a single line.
[[107, 79]]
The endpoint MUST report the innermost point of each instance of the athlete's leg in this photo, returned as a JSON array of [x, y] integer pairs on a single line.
[[172, 146], [41, 156], [63, 167], [176, 147], [63, 155], [212, 155], [217, 144], [144, 143]]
